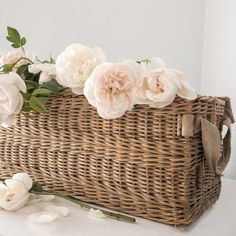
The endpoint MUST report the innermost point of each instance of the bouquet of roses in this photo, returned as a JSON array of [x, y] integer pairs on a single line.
[[27, 83]]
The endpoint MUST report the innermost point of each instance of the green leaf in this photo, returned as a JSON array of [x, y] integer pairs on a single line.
[[13, 35], [14, 45], [10, 39], [7, 68], [41, 91], [53, 86], [23, 41], [26, 96], [43, 100], [36, 104], [22, 69], [26, 109], [37, 187], [31, 84], [15, 38]]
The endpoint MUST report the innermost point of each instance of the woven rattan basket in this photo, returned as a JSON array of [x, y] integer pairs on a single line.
[[148, 163]]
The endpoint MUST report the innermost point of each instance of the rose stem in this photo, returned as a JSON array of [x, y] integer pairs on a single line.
[[84, 205]]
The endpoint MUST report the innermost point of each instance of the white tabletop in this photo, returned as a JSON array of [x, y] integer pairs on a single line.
[[217, 221]]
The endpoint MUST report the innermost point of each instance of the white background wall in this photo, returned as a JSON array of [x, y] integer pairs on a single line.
[[219, 58], [171, 29], [123, 28]]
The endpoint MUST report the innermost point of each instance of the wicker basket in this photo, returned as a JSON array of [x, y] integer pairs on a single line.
[[148, 163]]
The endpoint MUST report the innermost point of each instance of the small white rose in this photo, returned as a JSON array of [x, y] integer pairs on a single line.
[[48, 71], [25, 178], [11, 99], [110, 89], [159, 87], [13, 194], [75, 65], [13, 56]]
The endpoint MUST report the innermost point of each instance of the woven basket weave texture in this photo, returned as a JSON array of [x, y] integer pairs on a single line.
[[141, 163]]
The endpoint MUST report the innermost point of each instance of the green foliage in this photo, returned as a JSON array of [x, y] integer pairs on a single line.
[[144, 61], [41, 91], [37, 105], [22, 70], [24, 73], [53, 86], [7, 68], [15, 38], [37, 95], [37, 187]]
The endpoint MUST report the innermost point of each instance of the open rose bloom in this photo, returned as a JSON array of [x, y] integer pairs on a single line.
[[47, 71], [14, 56], [75, 65], [110, 89], [159, 87], [11, 99], [115, 88], [14, 192]]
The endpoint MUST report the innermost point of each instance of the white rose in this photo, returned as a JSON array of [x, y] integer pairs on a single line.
[[48, 71], [159, 87], [110, 89], [14, 193], [25, 178], [11, 99], [13, 56], [75, 65]]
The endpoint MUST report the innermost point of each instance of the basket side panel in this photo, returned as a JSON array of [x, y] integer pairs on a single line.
[[137, 164]]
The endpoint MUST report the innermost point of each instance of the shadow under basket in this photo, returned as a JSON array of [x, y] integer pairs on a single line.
[[161, 164]]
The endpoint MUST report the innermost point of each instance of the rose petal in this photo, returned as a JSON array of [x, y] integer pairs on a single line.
[[15, 204], [15, 185], [78, 91], [60, 210], [76, 63], [43, 217], [25, 178], [3, 189], [187, 91], [18, 81], [9, 120]]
